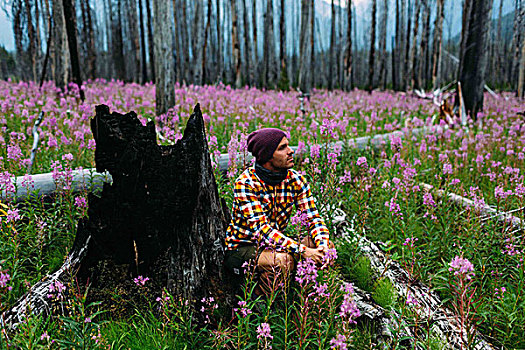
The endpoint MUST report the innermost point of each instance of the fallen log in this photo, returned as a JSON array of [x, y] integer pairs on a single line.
[[503, 217], [160, 218], [444, 323], [90, 180]]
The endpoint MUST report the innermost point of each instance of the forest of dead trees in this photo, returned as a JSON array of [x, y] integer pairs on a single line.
[[264, 43]]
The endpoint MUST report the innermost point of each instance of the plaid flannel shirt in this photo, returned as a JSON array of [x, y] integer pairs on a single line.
[[261, 212]]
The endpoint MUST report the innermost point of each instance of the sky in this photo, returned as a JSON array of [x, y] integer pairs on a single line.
[[6, 32]]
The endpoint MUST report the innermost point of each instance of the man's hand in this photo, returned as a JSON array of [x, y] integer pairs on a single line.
[[316, 254]]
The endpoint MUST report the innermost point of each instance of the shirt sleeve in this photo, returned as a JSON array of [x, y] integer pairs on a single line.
[[259, 225], [306, 204]]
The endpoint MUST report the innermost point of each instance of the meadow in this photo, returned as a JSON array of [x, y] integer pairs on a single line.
[[474, 261]]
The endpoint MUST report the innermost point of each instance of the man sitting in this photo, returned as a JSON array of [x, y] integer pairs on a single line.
[[264, 197]]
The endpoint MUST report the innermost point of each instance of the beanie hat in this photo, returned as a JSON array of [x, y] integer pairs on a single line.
[[262, 143]]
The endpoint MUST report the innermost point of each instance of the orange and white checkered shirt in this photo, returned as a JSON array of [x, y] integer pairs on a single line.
[[261, 212]]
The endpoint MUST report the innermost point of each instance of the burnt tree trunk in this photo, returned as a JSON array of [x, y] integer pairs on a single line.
[[71, 30], [161, 218], [474, 55]]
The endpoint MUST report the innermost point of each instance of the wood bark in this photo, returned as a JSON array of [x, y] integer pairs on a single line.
[[90, 53], [219, 57], [519, 14], [282, 37], [348, 49], [255, 44], [157, 219], [117, 44], [153, 74], [198, 42], [331, 61], [164, 81], [206, 39], [382, 45], [312, 74], [236, 49], [499, 47], [436, 46], [474, 56], [269, 57], [61, 51], [405, 81], [424, 51], [71, 30], [303, 48], [143, 62], [372, 51], [521, 76], [32, 52], [134, 39]]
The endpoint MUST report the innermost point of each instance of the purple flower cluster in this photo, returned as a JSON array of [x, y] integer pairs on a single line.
[[306, 272], [56, 289], [243, 310], [339, 342], [264, 331], [461, 266], [140, 281], [348, 309]]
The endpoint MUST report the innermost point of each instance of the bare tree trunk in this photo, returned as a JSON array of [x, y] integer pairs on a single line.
[[219, 57], [71, 30], [499, 48], [517, 42], [89, 37], [255, 45], [248, 55], [282, 39], [331, 62], [371, 57], [405, 80], [424, 51], [134, 38], [348, 50], [164, 82], [302, 79], [31, 33], [150, 42], [206, 34], [198, 44], [312, 45], [117, 45], [521, 78], [436, 46], [61, 52], [236, 49], [143, 65], [382, 45], [269, 47], [474, 57]]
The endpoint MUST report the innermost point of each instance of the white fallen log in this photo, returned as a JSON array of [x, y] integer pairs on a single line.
[[90, 179], [445, 324], [504, 217]]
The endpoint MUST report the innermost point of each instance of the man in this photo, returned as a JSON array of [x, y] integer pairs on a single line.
[[264, 197]]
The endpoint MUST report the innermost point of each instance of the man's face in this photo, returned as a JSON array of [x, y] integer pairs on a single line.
[[282, 158]]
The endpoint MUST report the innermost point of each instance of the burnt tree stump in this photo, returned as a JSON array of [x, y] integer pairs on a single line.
[[161, 218]]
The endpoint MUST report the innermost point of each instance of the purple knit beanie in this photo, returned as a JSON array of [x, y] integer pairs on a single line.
[[262, 143]]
